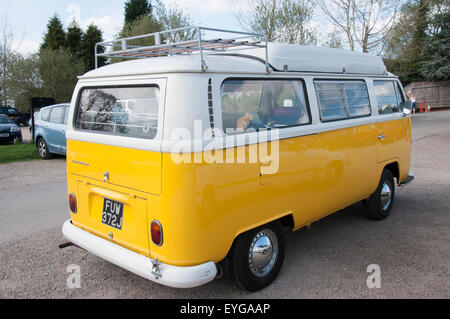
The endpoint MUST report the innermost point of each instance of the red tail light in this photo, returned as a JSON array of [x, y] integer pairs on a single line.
[[73, 203], [157, 233]]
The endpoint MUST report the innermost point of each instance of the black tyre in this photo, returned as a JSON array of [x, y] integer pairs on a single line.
[[43, 150], [379, 205], [257, 257]]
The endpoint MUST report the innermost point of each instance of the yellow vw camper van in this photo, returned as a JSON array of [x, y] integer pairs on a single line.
[[197, 152]]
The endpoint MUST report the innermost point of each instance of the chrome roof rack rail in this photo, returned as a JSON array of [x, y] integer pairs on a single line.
[[182, 41]]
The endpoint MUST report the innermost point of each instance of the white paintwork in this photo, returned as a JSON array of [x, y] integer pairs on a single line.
[[299, 58], [172, 276], [184, 93]]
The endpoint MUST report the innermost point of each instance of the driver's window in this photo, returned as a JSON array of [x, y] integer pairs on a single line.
[[252, 105], [386, 97], [12, 111]]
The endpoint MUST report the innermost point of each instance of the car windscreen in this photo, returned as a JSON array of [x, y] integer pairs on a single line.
[[124, 111], [4, 119]]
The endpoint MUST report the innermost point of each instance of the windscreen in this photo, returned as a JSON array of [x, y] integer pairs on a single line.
[[124, 111]]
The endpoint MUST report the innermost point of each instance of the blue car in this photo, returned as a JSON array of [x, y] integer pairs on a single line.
[[50, 130], [9, 131]]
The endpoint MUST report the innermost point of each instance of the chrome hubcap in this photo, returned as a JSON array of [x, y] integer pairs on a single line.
[[263, 253], [386, 196]]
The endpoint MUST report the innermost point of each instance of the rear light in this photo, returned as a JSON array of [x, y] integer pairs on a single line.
[[157, 233], [73, 203]]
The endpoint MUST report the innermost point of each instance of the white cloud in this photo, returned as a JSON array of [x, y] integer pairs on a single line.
[[107, 24], [26, 46]]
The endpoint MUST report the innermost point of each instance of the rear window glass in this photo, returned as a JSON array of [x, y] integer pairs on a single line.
[[56, 115], [342, 100], [45, 114], [123, 111]]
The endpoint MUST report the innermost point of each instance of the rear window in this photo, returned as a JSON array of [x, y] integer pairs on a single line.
[[56, 115], [45, 114], [123, 111]]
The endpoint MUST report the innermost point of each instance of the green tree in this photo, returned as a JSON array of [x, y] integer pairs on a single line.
[[92, 36], [58, 72], [280, 20], [74, 40], [436, 48], [24, 80], [417, 48], [135, 9], [55, 37]]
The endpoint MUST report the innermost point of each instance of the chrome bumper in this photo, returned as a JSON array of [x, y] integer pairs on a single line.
[[168, 275]]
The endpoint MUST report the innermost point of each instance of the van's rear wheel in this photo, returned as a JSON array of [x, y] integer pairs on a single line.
[[379, 205], [258, 256]]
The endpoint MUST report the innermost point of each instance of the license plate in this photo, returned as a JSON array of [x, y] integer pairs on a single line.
[[112, 213], [4, 134]]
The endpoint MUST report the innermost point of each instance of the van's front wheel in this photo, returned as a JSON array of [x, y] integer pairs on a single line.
[[257, 257], [379, 205]]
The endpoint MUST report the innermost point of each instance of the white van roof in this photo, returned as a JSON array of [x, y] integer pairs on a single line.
[[229, 56]]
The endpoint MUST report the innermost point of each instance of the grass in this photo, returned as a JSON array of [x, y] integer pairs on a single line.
[[18, 152]]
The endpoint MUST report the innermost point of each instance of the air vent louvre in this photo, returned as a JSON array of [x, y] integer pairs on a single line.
[[211, 107]]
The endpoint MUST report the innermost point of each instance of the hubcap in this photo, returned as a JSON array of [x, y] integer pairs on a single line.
[[263, 253], [386, 196]]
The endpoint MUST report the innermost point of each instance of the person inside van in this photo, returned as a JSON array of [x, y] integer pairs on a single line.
[[279, 107]]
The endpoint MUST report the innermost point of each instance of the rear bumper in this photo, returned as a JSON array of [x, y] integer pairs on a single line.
[[168, 275]]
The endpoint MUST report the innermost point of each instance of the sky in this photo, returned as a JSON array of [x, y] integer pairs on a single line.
[[28, 18]]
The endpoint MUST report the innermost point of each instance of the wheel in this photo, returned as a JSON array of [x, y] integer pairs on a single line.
[[257, 257], [43, 150], [379, 205]]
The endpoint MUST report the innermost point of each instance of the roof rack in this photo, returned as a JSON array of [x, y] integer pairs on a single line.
[[182, 41]]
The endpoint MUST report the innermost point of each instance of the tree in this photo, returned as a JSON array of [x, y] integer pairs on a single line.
[[92, 36], [74, 40], [59, 73], [417, 48], [436, 66], [55, 37], [280, 20], [7, 54], [365, 23], [172, 17], [24, 80], [334, 40], [135, 9], [162, 18]]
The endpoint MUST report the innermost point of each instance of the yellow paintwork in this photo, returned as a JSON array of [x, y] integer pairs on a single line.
[[203, 207]]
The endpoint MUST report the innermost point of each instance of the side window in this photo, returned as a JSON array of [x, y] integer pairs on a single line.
[[340, 100], [262, 104], [66, 114], [400, 97], [45, 114], [56, 115], [386, 97]]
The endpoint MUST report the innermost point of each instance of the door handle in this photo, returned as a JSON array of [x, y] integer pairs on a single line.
[[381, 137]]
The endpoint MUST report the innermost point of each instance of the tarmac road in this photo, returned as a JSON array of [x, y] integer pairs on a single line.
[[329, 260]]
